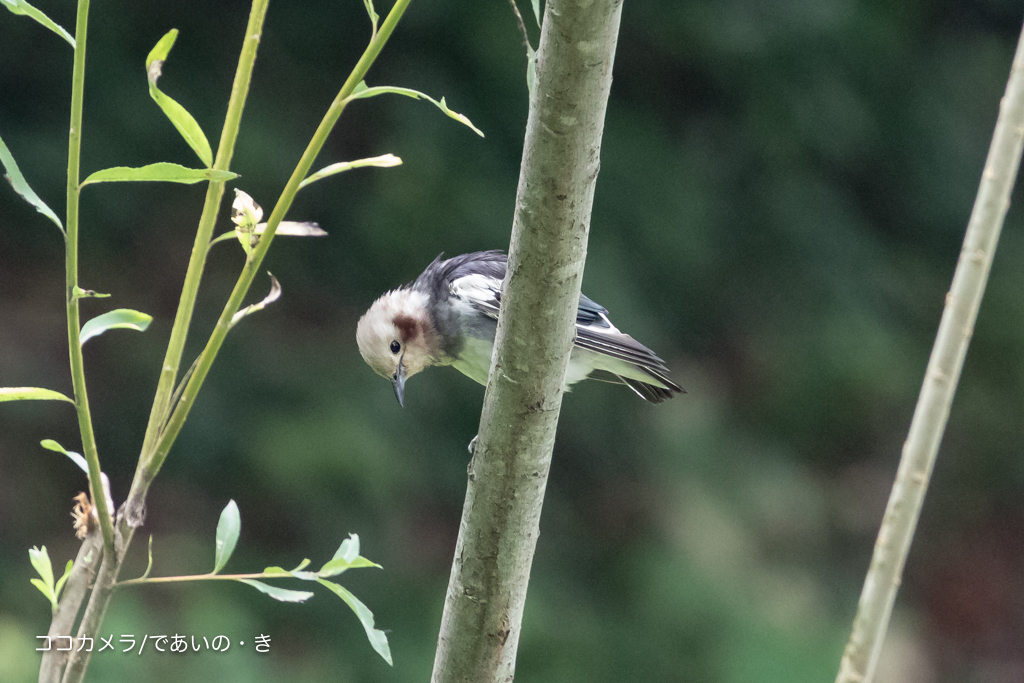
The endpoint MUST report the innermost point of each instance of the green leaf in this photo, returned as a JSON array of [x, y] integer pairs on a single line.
[[178, 115], [349, 548], [162, 48], [41, 561], [363, 93], [51, 445], [294, 573], [20, 185], [23, 8], [228, 528], [149, 565], [185, 123], [277, 571], [339, 565], [159, 172], [282, 594], [383, 161], [31, 394], [79, 293], [347, 557], [120, 318], [63, 579], [378, 639], [274, 295], [536, 10]]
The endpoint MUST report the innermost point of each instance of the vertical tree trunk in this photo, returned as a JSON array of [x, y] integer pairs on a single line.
[[508, 473]]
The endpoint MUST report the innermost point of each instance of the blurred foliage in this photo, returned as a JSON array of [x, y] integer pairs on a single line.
[[783, 193]]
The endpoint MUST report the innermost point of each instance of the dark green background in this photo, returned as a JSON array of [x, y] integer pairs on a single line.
[[783, 192]]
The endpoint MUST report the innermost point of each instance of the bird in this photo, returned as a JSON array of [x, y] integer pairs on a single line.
[[449, 315]]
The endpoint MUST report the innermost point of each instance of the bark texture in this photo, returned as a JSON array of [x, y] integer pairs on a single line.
[[509, 470]]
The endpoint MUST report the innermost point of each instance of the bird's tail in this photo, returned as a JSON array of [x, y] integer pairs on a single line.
[[631, 362]]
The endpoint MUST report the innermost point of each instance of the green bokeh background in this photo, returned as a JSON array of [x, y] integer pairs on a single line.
[[783, 192]]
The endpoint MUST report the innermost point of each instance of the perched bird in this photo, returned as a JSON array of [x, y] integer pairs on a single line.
[[449, 315]]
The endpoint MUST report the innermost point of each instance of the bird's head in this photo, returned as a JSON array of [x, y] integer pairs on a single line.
[[396, 337]]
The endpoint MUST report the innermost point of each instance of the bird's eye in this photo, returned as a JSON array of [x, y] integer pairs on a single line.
[[395, 346]]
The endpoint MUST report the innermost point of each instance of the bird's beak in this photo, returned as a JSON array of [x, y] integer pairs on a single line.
[[399, 383]]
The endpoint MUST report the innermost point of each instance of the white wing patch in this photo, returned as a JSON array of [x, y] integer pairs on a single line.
[[608, 327], [479, 291]]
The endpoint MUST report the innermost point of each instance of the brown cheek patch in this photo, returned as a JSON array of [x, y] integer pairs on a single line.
[[406, 327]]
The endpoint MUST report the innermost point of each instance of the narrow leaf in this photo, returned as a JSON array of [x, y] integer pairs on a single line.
[[339, 565], [286, 228], [20, 185], [378, 639], [359, 94], [149, 564], [121, 318], [349, 548], [51, 445], [41, 561], [275, 294], [31, 394], [294, 229], [228, 528], [79, 293], [536, 10], [295, 573], [63, 579], [276, 571], [161, 50], [23, 8], [185, 123], [282, 594], [159, 172], [178, 115], [383, 161]]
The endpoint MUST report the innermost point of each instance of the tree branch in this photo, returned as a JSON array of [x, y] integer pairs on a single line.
[[940, 380], [82, 574], [508, 473]]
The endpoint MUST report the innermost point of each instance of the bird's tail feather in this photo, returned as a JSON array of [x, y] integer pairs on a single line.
[[622, 347], [650, 392]]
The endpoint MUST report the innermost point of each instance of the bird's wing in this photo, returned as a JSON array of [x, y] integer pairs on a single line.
[[476, 280], [608, 341], [482, 292]]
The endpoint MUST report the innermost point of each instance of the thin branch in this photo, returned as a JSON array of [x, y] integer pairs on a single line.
[[519, 20], [508, 473], [943, 373], [88, 560], [162, 401], [204, 577], [71, 282], [78, 660], [122, 536], [149, 469]]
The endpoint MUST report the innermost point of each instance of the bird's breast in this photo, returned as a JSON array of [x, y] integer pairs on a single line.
[[474, 361]]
